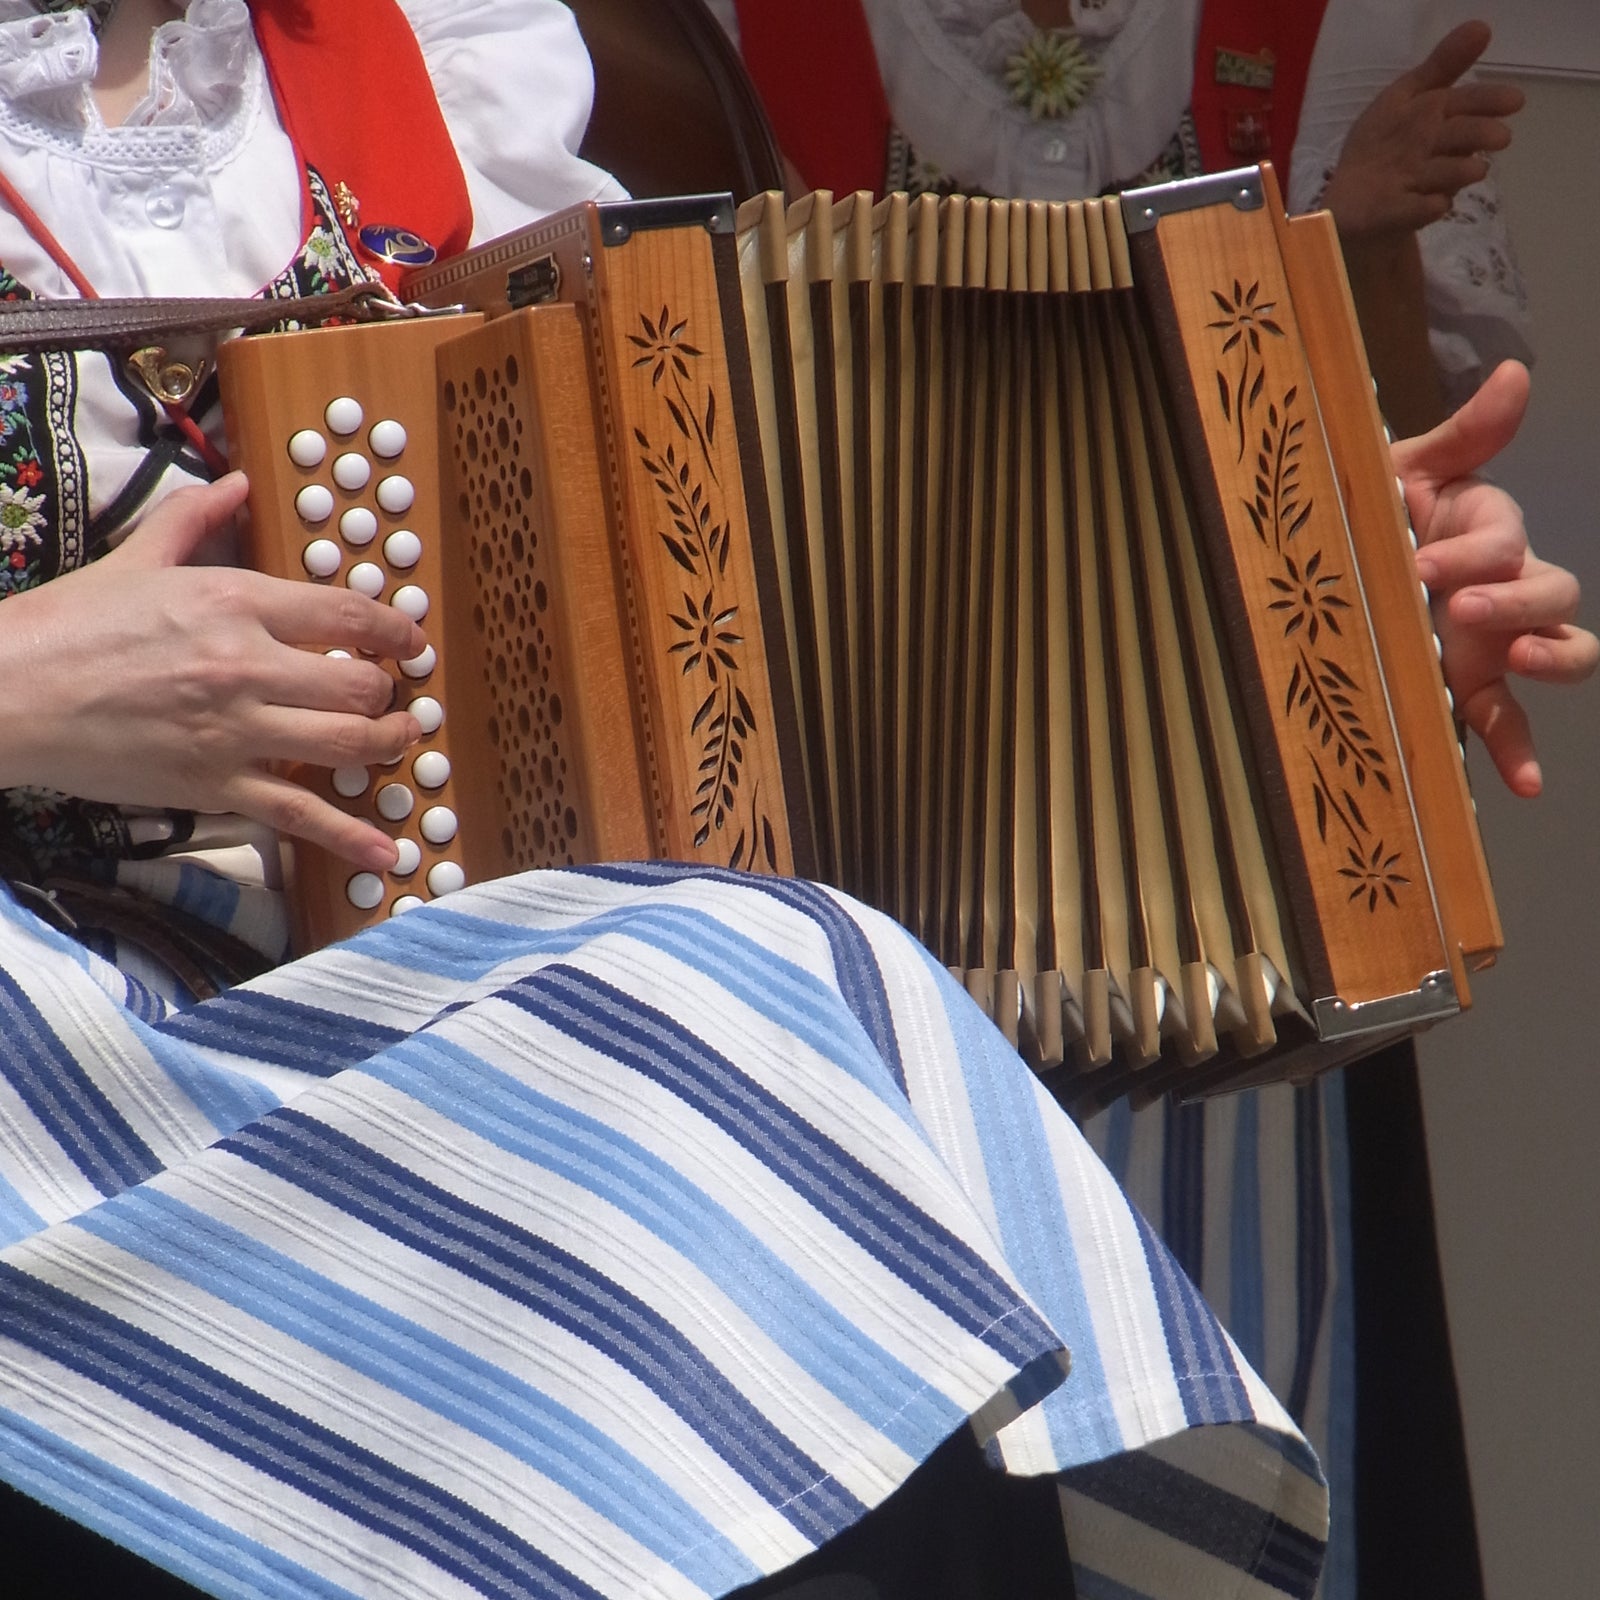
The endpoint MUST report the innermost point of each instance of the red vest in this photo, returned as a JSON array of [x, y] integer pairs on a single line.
[[355, 97], [814, 65]]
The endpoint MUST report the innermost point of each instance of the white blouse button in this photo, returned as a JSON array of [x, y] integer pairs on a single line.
[[402, 549], [366, 577], [396, 494], [352, 472], [365, 891], [432, 769], [438, 824], [395, 802], [343, 416], [409, 859], [446, 878], [307, 448], [349, 781], [406, 902], [164, 206], [421, 666], [321, 558], [428, 712], [358, 526], [388, 438], [411, 601], [314, 503]]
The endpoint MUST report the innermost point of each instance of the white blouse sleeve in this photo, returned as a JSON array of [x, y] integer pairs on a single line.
[[515, 85], [1477, 306]]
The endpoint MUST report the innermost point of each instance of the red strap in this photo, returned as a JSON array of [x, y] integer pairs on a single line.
[[1240, 122], [355, 98], [817, 72]]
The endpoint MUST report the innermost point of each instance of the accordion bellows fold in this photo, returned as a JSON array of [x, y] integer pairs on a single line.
[[1034, 572]]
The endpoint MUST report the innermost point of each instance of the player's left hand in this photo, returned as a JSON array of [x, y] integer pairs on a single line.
[[1499, 609]]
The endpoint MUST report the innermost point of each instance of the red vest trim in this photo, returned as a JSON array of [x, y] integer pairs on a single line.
[[355, 98]]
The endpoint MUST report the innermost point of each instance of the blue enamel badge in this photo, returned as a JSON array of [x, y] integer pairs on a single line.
[[399, 245]]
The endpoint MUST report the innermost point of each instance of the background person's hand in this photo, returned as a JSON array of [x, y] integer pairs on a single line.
[[148, 681], [1421, 140], [1499, 609]]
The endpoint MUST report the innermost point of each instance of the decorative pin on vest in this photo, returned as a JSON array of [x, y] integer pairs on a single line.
[[401, 247]]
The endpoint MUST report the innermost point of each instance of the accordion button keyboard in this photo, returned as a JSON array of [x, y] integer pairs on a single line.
[[411, 600], [365, 891], [314, 503], [352, 472], [396, 494], [344, 416], [431, 769], [350, 781], [307, 448], [367, 578], [438, 825], [406, 902], [322, 558], [410, 858], [428, 712], [421, 666], [402, 549], [388, 438], [395, 802], [358, 526], [446, 878]]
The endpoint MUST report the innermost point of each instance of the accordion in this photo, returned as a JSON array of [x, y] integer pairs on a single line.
[[1034, 572]]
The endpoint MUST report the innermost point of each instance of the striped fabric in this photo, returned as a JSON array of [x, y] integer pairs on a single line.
[[615, 1233]]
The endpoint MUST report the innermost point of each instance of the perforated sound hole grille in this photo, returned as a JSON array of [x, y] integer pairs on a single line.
[[513, 618]]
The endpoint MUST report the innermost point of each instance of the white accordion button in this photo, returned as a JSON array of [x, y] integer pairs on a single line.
[[343, 416], [321, 558], [365, 891], [410, 600], [428, 712], [438, 824], [338, 655], [349, 781], [402, 549], [410, 858], [406, 902], [446, 878], [395, 802], [352, 472], [421, 666], [358, 526], [314, 503], [431, 769], [388, 438], [307, 448], [366, 577], [396, 494]]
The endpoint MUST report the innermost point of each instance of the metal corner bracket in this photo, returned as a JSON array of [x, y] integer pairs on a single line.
[[1432, 1000], [1142, 209]]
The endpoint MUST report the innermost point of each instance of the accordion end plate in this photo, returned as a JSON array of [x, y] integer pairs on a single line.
[[1243, 189], [1434, 998]]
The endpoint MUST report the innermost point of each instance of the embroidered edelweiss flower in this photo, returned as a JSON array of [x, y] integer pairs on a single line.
[[11, 364], [320, 250], [20, 519], [1051, 74]]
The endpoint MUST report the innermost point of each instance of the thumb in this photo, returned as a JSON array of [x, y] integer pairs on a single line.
[[179, 525], [1472, 436], [1454, 54]]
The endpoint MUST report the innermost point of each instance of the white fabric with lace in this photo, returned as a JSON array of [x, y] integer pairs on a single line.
[[943, 66]]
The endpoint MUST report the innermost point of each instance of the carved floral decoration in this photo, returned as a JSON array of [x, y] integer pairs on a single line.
[[1321, 695], [709, 642]]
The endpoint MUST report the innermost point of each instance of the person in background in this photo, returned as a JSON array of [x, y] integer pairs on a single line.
[[1305, 1214]]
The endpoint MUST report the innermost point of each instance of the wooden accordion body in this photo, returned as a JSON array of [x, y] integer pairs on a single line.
[[1035, 572]]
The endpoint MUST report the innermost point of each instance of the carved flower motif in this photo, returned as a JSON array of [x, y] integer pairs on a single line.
[[1052, 74], [1374, 875], [1308, 598]]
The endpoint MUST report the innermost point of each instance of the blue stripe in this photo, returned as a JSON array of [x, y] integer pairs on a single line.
[[269, 1438], [944, 1270], [1311, 1237], [1247, 1314], [558, 1287], [134, 1514], [90, 1131], [545, 1132], [1183, 1184], [18, 1220], [1339, 1466], [427, 1369], [279, 1032], [1208, 1382], [207, 895]]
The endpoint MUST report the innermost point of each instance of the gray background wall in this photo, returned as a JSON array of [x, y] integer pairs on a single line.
[[1512, 1092]]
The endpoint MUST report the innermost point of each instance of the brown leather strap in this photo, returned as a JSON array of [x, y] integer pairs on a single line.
[[131, 323]]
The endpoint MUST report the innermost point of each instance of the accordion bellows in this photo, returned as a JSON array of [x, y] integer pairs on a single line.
[[1034, 572]]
